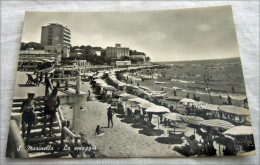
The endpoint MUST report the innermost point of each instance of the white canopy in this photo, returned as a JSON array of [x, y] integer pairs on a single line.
[[239, 130], [210, 107], [157, 109], [173, 116]]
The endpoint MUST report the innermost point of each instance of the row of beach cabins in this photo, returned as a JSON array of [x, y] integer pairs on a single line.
[[227, 125]]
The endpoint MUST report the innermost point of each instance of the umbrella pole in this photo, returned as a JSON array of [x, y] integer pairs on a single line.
[[219, 149], [158, 121]]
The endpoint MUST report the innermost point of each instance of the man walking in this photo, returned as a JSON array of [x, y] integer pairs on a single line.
[[52, 102], [110, 114]]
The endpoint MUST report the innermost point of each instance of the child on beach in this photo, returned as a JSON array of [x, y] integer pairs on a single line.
[[98, 130]]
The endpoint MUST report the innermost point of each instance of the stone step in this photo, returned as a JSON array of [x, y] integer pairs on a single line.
[[21, 99], [17, 109], [37, 140], [38, 132], [40, 125], [41, 119], [19, 103]]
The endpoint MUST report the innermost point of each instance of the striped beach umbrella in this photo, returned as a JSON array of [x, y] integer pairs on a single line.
[[217, 123], [192, 119]]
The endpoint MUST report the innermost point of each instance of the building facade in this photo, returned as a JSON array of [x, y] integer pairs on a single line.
[[55, 38], [117, 52], [30, 60], [138, 56]]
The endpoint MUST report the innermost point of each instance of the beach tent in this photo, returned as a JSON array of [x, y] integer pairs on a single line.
[[239, 130], [157, 110], [217, 123], [240, 111]]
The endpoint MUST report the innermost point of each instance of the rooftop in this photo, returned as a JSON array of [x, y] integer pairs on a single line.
[[33, 52]]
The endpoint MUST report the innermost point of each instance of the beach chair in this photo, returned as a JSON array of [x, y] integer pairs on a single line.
[[32, 80], [28, 82]]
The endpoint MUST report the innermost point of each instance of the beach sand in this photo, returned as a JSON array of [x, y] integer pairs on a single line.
[[120, 141]]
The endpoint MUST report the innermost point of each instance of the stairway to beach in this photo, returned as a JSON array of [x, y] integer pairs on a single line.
[[41, 145]]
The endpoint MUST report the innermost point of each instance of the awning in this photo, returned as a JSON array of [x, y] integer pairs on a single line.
[[234, 110], [239, 130]]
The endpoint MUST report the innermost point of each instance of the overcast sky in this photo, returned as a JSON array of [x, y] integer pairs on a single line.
[[169, 35]]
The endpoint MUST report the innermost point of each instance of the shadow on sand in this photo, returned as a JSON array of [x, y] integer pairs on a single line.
[[27, 85], [169, 140]]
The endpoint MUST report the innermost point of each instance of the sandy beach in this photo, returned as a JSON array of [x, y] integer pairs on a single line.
[[120, 141]]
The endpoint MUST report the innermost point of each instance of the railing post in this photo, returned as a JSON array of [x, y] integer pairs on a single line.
[[78, 83], [66, 83], [63, 134], [76, 117], [58, 81]]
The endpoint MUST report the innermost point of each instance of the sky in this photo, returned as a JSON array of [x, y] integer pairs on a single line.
[[164, 35]]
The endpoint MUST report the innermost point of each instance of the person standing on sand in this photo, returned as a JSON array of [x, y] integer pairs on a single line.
[[110, 114], [174, 93], [188, 95], [233, 89], [88, 93], [229, 100], [245, 102]]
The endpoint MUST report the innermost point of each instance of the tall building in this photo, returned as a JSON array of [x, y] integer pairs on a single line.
[[55, 35], [117, 52], [55, 38]]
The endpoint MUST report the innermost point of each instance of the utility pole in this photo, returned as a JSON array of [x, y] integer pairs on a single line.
[[207, 88]]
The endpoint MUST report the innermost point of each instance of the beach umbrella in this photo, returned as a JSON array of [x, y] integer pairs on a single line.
[[217, 123], [234, 110], [185, 101], [210, 107], [157, 110], [173, 116], [144, 88], [109, 87], [192, 119], [239, 130], [138, 100], [145, 105]]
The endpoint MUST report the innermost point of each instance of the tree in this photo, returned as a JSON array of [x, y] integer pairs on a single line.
[[29, 45], [147, 59]]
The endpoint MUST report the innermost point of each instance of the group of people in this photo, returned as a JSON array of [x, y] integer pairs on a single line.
[[29, 117]]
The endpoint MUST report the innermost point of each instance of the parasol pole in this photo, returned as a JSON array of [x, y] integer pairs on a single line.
[[207, 89], [158, 121]]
